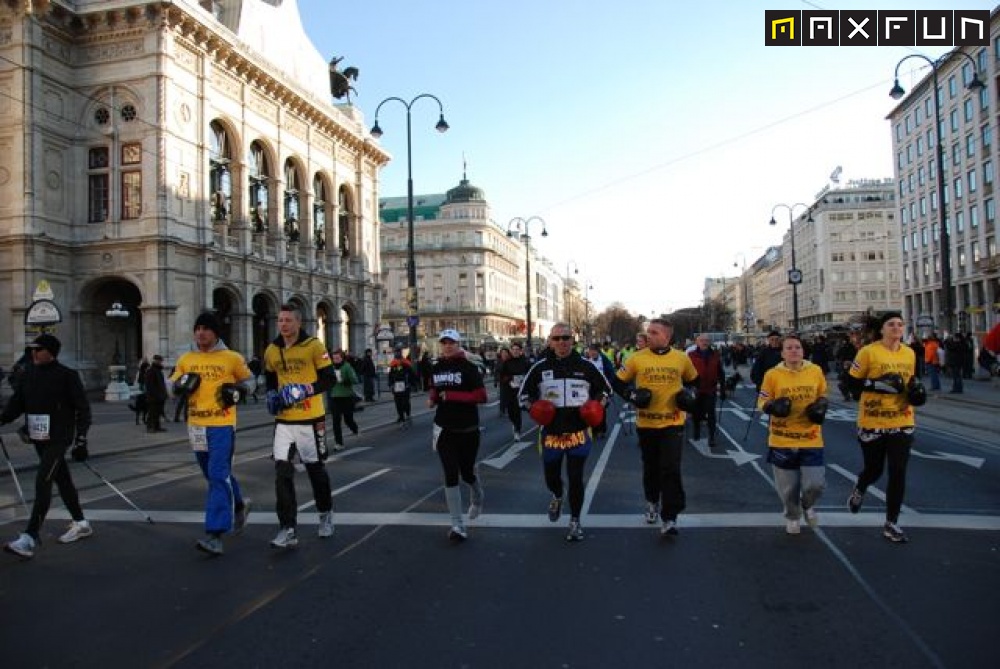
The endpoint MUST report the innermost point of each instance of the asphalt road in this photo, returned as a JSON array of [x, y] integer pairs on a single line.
[[389, 589]]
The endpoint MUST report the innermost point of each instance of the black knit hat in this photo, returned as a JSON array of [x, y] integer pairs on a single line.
[[47, 342], [886, 317], [209, 321]]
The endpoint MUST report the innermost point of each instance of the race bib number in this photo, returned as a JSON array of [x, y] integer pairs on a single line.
[[38, 426], [198, 438], [399, 387], [565, 392], [515, 381]]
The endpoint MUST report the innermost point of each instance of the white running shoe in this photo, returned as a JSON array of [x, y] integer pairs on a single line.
[[326, 525], [575, 531], [24, 546], [78, 529], [457, 534], [812, 517], [669, 528], [241, 516], [211, 544], [286, 538], [652, 513], [792, 527]]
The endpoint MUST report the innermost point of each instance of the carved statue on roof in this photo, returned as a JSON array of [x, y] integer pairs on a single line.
[[340, 80]]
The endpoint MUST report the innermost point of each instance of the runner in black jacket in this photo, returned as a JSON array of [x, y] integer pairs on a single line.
[[456, 388], [51, 397], [510, 373], [565, 379]]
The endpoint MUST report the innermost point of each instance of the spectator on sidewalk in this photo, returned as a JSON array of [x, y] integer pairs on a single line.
[[932, 360], [156, 395], [368, 375], [342, 398], [918, 351], [954, 360]]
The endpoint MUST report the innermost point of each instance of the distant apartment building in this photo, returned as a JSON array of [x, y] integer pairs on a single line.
[[970, 159]]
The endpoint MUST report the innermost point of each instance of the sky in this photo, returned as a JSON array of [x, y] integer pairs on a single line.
[[653, 137]]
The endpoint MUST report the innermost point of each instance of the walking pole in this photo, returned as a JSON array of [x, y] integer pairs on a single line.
[[13, 475], [120, 493]]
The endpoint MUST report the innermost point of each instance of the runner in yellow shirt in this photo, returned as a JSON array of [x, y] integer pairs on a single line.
[[882, 376], [793, 393]]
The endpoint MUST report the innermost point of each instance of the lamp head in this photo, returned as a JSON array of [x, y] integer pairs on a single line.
[[376, 131], [976, 84], [773, 222], [897, 91], [545, 233], [441, 125]]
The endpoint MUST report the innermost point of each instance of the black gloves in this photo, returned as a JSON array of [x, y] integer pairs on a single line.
[[816, 412], [887, 384], [640, 397], [916, 393], [686, 399], [229, 394], [779, 408], [187, 383], [79, 452]]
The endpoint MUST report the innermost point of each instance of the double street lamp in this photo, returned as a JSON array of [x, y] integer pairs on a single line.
[[520, 226], [794, 275], [944, 237], [412, 317]]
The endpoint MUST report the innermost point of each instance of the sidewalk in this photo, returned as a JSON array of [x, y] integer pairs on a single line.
[[114, 430]]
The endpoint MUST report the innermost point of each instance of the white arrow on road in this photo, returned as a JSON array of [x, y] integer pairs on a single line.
[[508, 456], [738, 456], [974, 462]]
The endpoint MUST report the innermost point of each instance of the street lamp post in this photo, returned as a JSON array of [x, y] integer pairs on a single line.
[[412, 317], [569, 309], [521, 226], [794, 275], [747, 312], [944, 237]]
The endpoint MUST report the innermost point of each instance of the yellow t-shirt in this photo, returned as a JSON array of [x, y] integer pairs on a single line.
[[299, 363], [214, 368], [664, 375], [877, 411], [803, 386]]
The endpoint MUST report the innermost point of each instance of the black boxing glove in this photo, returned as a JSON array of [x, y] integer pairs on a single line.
[[779, 408]]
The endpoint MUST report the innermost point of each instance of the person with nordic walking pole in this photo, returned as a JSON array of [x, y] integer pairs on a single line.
[[211, 379], [51, 397]]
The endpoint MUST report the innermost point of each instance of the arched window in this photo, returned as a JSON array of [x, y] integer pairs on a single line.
[[258, 173], [344, 221], [292, 216], [219, 176], [319, 213]]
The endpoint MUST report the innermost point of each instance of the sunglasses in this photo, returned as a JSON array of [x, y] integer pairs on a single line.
[[561, 337]]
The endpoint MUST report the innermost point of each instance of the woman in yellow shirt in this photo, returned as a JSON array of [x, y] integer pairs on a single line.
[[793, 393], [882, 376]]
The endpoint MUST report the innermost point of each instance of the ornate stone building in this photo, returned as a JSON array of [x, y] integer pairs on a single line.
[[155, 156], [471, 274]]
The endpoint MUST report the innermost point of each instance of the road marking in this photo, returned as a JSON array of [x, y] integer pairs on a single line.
[[971, 461], [738, 456], [508, 456], [617, 521], [602, 463], [353, 484]]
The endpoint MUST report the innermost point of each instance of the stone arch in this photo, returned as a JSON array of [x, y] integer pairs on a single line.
[[260, 179], [348, 336], [326, 324], [227, 305], [102, 335], [264, 309], [224, 171], [322, 210], [294, 214]]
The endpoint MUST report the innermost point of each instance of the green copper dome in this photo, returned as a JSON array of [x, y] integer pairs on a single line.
[[465, 192]]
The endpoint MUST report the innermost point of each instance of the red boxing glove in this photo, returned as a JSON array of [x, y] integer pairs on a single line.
[[542, 412], [592, 413]]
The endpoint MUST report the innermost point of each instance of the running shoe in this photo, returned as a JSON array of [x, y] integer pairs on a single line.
[[457, 534], [855, 500], [894, 533], [575, 532], [476, 504], [211, 544], [286, 538], [325, 525], [78, 529], [792, 527], [337, 448], [811, 516], [516, 434], [241, 516], [669, 528], [555, 509], [24, 546], [652, 513]]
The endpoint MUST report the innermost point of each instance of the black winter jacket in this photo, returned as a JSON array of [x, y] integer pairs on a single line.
[[56, 391]]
